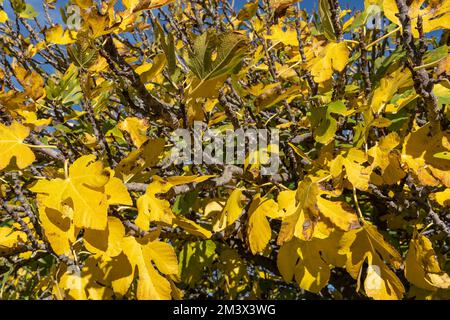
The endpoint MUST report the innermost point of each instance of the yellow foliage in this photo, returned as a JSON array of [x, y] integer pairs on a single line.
[[92, 205], [334, 57], [12, 146], [137, 128]]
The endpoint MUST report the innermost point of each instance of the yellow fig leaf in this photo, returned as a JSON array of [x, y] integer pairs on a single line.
[[306, 213], [312, 273], [421, 266], [258, 230], [287, 36], [339, 213], [108, 242], [434, 16], [9, 239], [83, 283], [309, 261], [57, 35], [444, 66], [57, 226], [137, 128], [191, 227], [300, 223], [287, 259], [334, 57], [381, 283], [149, 71], [140, 5], [164, 257], [151, 208], [117, 192], [84, 4], [148, 155], [151, 284], [231, 211], [388, 87], [443, 197], [119, 272], [11, 145], [33, 83], [280, 5], [367, 244], [365, 241], [418, 152], [387, 158], [352, 162], [31, 118], [83, 190], [3, 16]]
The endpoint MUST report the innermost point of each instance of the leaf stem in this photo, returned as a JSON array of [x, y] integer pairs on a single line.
[[66, 169], [427, 65], [351, 41], [358, 208], [382, 38], [324, 178], [40, 146]]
